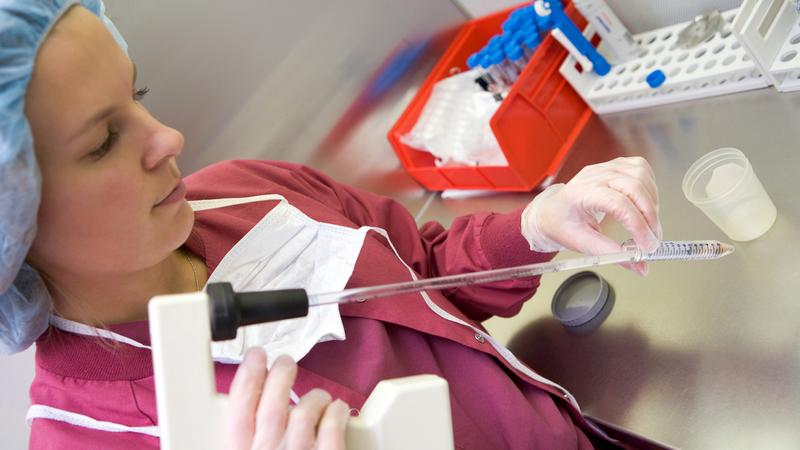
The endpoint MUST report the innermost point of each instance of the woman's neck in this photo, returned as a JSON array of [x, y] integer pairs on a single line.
[[123, 298]]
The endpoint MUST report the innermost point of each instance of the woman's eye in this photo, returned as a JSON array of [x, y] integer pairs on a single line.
[[105, 147], [140, 93]]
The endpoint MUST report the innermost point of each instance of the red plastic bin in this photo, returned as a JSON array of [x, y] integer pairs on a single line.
[[536, 124]]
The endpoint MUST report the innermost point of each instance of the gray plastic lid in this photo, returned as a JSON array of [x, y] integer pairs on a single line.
[[580, 299]]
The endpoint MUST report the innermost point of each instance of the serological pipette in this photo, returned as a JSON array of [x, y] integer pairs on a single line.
[[666, 251], [230, 310]]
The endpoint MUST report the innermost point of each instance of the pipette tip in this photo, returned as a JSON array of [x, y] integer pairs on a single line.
[[726, 248]]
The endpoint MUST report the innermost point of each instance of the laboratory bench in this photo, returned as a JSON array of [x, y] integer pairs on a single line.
[[696, 355]]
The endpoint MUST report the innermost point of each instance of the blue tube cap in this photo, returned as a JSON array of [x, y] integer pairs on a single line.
[[517, 13], [513, 52], [474, 60], [496, 57], [486, 60], [543, 22], [518, 37], [655, 78], [511, 24], [601, 66], [532, 41]]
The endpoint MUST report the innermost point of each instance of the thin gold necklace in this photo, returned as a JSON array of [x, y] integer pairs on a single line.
[[194, 272]]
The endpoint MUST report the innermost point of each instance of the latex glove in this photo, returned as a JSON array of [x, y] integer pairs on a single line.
[[259, 415], [569, 215]]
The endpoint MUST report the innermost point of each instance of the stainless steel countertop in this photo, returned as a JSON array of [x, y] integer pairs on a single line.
[[696, 355]]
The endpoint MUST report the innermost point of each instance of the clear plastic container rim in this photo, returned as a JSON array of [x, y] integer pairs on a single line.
[[706, 162]]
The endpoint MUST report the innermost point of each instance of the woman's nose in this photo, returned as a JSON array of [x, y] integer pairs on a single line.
[[163, 143]]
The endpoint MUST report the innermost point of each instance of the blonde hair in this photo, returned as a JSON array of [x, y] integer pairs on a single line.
[[84, 314]]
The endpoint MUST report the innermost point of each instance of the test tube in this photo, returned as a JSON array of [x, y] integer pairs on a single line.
[[516, 57], [506, 71], [530, 43], [528, 30], [518, 36], [509, 40], [484, 80], [494, 43], [493, 72]]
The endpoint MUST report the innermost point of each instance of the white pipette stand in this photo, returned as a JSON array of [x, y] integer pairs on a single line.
[[404, 413]]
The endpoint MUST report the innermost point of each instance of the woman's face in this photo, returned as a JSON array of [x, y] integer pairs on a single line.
[[107, 164]]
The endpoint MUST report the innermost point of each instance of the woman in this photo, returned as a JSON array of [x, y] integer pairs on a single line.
[[115, 229]]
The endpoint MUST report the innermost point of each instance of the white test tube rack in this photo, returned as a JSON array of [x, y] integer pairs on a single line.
[[770, 31], [720, 65]]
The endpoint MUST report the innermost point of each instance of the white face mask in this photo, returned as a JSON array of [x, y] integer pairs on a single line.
[[285, 250]]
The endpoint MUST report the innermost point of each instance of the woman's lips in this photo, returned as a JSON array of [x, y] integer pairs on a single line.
[[177, 194]]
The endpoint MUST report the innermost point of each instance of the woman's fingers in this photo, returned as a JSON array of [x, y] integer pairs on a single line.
[[633, 177], [243, 400], [621, 208], [633, 167], [304, 418], [624, 188], [259, 415], [273, 409], [331, 431], [589, 241], [641, 198], [640, 169], [642, 268]]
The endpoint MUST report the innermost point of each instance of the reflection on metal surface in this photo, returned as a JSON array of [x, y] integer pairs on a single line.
[[697, 355], [596, 144], [584, 363]]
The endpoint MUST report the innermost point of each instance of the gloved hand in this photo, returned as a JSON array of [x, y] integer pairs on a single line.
[[569, 215]]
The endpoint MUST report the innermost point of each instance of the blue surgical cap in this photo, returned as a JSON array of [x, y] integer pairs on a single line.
[[24, 300]]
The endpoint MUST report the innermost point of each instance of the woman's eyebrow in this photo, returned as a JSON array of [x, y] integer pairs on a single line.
[[102, 114]]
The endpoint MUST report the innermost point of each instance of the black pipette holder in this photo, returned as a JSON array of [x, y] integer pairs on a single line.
[[231, 310]]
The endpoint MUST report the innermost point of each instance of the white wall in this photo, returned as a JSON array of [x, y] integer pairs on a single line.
[[264, 79]]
